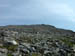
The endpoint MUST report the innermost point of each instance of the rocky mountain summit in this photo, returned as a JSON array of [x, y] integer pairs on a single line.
[[36, 40]]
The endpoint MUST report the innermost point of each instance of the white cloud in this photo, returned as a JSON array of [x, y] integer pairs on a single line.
[[36, 9], [61, 9]]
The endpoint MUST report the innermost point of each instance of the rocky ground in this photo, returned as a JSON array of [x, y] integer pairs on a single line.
[[14, 43]]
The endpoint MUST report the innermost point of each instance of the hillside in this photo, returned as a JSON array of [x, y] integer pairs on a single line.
[[42, 29], [36, 40]]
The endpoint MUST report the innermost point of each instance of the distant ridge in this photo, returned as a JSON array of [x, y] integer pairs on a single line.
[[41, 28]]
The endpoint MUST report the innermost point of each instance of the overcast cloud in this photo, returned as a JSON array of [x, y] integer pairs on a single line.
[[54, 12]]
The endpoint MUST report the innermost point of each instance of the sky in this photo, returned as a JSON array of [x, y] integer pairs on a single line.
[[59, 13]]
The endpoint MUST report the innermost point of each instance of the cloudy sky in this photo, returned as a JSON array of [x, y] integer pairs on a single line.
[[60, 13]]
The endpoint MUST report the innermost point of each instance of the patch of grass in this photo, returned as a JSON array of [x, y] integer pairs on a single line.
[[67, 41], [9, 54], [36, 54], [11, 48], [2, 47]]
